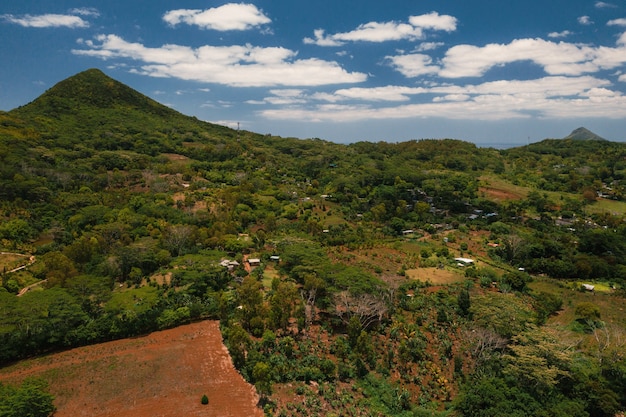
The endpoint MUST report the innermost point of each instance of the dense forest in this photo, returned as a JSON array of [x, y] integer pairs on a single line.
[[319, 259]]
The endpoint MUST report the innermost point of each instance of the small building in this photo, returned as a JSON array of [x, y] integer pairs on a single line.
[[275, 258], [254, 261], [588, 287], [464, 261], [230, 265]]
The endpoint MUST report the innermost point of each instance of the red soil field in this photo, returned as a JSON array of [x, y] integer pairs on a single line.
[[162, 374]]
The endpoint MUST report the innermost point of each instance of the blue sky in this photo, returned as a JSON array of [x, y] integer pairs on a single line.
[[485, 71]]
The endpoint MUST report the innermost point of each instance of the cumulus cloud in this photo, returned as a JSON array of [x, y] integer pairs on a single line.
[[585, 20], [46, 21], [434, 21], [560, 58], [563, 34], [428, 46], [617, 22], [604, 5], [557, 97], [386, 31], [555, 58], [231, 16], [413, 65], [238, 65]]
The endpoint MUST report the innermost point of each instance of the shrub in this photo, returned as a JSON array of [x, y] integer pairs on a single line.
[[204, 400]]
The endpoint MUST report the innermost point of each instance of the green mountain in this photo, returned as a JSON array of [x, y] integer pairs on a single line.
[[93, 110], [582, 133]]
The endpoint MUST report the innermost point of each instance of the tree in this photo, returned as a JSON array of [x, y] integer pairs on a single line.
[[252, 309], [463, 300], [16, 230], [178, 238], [238, 341], [58, 268], [262, 377], [588, 314], [517, 280], [368, 309], [505, 314], [538, 361], [31, 399], [282, 304]]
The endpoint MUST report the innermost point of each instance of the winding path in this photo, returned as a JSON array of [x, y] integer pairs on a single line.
[[31, 260]]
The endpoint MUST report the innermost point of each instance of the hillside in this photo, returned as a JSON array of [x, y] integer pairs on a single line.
[[370, 279], [165, 373]]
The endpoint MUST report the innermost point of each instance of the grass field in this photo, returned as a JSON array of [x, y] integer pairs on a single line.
[[617, 208], [612, 312], [497, 189], [435, 276], [10, 261]]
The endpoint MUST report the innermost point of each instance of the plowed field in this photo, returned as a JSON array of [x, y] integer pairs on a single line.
[[160, 375]]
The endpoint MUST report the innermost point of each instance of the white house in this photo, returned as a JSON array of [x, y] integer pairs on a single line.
[[464, 261]]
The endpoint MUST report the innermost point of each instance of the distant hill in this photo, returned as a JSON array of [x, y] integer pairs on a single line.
[[582, 133]]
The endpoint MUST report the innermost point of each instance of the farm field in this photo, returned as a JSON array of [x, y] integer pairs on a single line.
[[163, 374]]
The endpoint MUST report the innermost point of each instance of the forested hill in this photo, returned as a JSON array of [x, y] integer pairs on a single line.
[[427, 277], [92, 110]]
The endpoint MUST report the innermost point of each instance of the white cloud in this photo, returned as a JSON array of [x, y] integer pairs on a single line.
[[85, 11], [622, 78], [386, 31], [368, 32], [413, 65], [452, 97], [387, 93], [604, 5], [555, 58], [562, 34], [585, 20], [240, 66], [434, 21], [560, 58], [617, 22], [428, 46], [46, 21], [284, 97], [231, 16], [549, 97]]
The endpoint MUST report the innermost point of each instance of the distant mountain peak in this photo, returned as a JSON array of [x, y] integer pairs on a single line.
[[582, 133]]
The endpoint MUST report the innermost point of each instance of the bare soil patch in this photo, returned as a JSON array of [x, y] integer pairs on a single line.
[[160, 375], [498, 194]]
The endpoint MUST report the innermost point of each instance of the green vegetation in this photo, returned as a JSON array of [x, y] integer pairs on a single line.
[[31, 398], [140, 218]]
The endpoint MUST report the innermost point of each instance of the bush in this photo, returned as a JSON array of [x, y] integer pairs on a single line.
[[204, 400]]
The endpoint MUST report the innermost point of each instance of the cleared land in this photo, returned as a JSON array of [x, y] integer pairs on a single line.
[[160, 375], [435, 276]]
